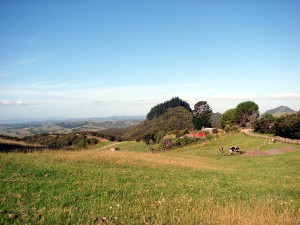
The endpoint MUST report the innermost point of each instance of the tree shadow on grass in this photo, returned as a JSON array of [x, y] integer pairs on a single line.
[[11, 147]]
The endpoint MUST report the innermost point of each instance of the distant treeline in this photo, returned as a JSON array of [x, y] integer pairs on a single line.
[[14, 144], [74, 140], [72, 124], [61, 141], [71, 141]]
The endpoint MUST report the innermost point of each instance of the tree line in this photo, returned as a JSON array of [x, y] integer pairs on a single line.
[[287, 126], [246, 114]]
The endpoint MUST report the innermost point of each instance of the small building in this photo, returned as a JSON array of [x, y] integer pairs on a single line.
[[197, 135], [209, 130]]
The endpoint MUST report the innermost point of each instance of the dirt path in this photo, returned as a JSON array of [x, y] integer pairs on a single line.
[[108, 146], [272, 151], [248, 132]]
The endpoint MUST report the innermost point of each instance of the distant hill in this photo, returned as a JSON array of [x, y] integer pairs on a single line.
[[215, 120], [68, 126], [54, 120], [178, 118], [279, 111]]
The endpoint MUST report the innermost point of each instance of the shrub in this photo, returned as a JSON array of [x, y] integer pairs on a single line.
[[93, 141], [231, 129], [265, 124], [215, 131], [288, 126], [169, 143], [166, 143], [81, 143]]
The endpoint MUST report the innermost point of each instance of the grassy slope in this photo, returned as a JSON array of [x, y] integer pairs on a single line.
[[100, 145], [192, 185], [177, 118]]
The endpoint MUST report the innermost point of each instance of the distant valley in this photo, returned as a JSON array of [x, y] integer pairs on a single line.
[[64, 126]]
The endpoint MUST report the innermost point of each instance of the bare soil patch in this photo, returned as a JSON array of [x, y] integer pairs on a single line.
[[274, 151], [288, 149], [253, 153]]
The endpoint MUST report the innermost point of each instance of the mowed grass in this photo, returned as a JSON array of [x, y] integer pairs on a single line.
[[192, 185]]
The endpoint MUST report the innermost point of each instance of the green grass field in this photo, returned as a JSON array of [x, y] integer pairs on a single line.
[[191, 185]]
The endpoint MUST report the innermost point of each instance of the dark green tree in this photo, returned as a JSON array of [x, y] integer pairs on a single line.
[[265, 124], [288, 126], [161, 108], [247, 113], [148, 138], [202, 115], [228, 118]]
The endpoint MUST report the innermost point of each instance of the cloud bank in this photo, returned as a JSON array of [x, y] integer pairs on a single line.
[[284, 96], [235, 97], [17, 102]]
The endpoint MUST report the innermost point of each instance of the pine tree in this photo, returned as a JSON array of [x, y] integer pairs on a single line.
[[202, 115]]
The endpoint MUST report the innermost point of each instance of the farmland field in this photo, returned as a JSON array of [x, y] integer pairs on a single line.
[[191, 185]]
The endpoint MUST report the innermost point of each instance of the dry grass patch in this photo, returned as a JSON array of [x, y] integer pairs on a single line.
[[133, 158], [209, 211], [20, 143]]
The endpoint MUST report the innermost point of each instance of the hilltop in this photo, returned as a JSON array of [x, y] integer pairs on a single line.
[[279, 111], [178, 118]]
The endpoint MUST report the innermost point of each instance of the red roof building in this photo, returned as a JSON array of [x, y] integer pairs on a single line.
[[197, 135]]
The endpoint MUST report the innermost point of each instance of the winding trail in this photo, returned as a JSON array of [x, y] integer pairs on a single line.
[[248, 132], [108, 146]]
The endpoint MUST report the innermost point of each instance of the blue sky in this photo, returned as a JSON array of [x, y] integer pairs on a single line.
[[102, 58]]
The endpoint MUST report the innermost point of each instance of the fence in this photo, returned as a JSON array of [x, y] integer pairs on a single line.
[[274, 139]]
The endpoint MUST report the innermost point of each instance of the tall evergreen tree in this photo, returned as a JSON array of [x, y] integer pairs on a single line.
[[247, 113], [202, 115]]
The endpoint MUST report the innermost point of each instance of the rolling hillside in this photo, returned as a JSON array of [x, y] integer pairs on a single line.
[[64, 127], [191, 185]]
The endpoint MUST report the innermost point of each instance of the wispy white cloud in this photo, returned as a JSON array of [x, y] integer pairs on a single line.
[[18, 102], [85, 93], [33, 38], [48, 86], [284, 96], [235, 97], [29, 60], [148, 101]]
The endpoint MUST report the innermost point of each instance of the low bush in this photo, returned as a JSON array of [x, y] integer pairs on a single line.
[[169, 143]]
